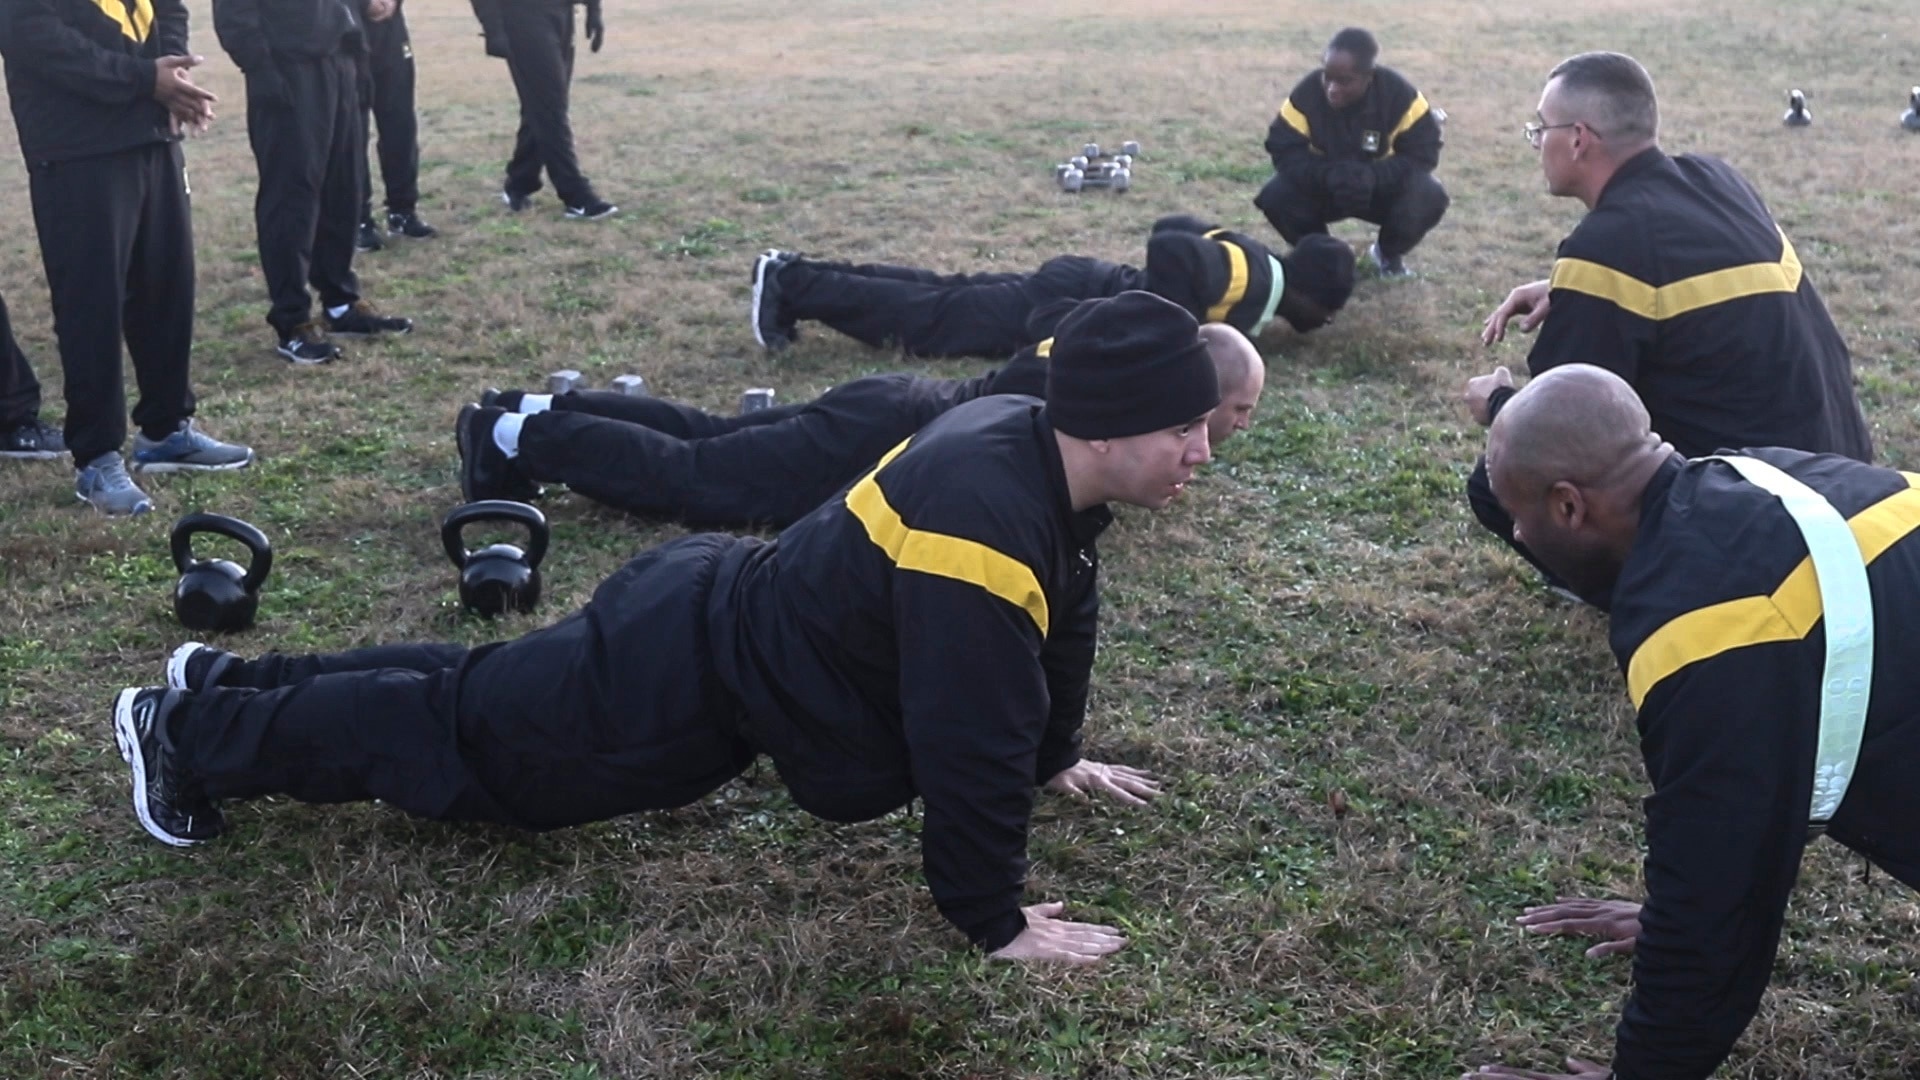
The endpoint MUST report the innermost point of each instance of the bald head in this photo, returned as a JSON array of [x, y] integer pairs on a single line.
[[1242, 375], [1569, 457], [1576, 423]]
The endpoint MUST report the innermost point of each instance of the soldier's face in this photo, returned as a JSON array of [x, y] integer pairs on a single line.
[[1345, 80], [1235, 412], [1151, 470]]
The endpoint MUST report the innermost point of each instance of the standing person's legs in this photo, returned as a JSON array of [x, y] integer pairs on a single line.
[[390, 50], [160, 295], [343, 140], [541, 61], [22, 435], [1293, 210], [966, 318], [88, 213], [1409, 215], [291, 138]]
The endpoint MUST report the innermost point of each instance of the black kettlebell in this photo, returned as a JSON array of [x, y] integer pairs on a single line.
[[215, 594], [499, 577]]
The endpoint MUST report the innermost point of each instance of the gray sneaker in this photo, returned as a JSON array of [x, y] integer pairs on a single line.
[[189, 448], [103, 484]]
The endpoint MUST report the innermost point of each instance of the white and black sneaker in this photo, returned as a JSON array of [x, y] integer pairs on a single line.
[[772, 327], [34, 440], [308, 344], [593, 209], [169, 806], [198, 666]]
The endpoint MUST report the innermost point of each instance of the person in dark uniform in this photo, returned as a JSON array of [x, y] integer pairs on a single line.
[[1216, 274], [770, 467], [1356, 140], [389, 107], [23, 435], [929, 634], [1729, 640], [1678, 280], [302, 62], [100, 94], [535, 37]]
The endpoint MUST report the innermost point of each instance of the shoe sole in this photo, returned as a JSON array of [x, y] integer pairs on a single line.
[[129, 742], [302, 361], [177, 664], [465, 443], [759, 287], [32, 455], [607, 213], [368, 333], [181, 466], [144, 508]]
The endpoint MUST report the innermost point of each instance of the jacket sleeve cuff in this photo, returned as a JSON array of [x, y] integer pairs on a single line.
[[149, 76], [1498, 400], [998, 932]]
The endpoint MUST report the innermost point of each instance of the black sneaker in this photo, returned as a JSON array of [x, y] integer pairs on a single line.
[[195, 666], [369, 238], [593, 209], [308, 344], [362, 318], [34, 440], [408, 223], [504, 400], [170, 806], [515, 201], [772, 327], [486, 472]]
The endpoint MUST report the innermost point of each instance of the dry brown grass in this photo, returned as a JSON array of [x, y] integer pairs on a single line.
[[1317, 625]]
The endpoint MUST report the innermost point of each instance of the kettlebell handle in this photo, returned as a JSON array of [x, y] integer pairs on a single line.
[[232, 528], [494, 510]]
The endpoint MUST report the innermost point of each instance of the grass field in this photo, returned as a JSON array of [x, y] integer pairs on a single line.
[[1382, 736]]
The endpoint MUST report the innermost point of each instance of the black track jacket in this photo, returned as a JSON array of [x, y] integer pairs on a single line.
[[80, 73], [252, 31], [928, 633], [1716, 623], [1392, 128]]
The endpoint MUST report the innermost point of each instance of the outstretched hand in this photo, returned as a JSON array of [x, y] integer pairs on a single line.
[[1118, 782], [1053, 940], [1582, 1070], [1527, 302], [1615, 922]]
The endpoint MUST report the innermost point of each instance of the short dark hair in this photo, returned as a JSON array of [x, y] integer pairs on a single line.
[[1612, 92], [1358, 44]]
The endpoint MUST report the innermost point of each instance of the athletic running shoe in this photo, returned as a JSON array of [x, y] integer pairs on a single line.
[[361, 319], [188, 449], [196, 666], [408, 223], [308, 344], [369, 238], [103, 484], [515, 202], [34, 440], [593, 209], [772, 328], [1388, 267], [486, 472], [169, 806]]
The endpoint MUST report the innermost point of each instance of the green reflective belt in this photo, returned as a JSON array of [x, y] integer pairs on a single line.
[[1273, 295], [1846, 604]]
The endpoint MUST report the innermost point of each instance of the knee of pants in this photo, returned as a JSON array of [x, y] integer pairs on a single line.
[[1424, 202], [1289, 208]]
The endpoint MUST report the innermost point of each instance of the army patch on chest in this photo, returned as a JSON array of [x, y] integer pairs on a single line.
[[1370, 142]]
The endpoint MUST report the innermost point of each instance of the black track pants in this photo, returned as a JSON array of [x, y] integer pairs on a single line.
[[116, 237], [19, 388], [727, 471], [613, 709], [540, 56], [311, 149], [1404, 216], [391, 112]]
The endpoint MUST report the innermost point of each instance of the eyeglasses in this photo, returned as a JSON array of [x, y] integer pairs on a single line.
[[1536, 131]]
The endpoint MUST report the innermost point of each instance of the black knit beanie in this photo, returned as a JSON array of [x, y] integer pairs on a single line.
[[1128, 365]]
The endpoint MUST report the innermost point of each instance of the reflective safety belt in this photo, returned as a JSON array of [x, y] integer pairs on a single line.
[[1847, 606], [1273, 296]]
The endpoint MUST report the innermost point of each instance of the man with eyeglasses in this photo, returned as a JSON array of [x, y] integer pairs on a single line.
[[1356, 140], [1678, 280]]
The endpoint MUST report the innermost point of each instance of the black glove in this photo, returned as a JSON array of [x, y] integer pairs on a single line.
[[596, 27], [1350, 187]]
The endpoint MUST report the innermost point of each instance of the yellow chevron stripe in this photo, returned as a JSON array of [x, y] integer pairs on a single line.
[[1417, 109], [1688, 294]]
